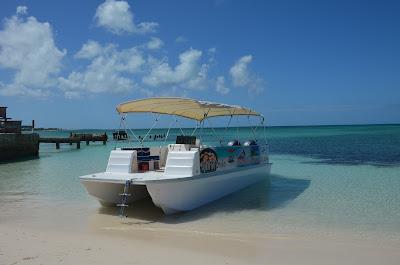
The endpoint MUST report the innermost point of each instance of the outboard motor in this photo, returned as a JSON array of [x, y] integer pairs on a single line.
[[250, 143], [234, 143]]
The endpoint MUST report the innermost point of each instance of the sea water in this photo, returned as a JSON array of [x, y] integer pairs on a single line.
[[325, 179]]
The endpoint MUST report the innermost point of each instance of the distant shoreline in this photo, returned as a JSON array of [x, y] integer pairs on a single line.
[[48, 129], [26, 129], [223, 127]]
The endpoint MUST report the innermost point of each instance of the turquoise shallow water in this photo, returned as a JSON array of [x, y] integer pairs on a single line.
[[331, 179]]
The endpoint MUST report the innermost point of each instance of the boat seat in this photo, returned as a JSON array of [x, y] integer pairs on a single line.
[[122, 161], [178, 147]]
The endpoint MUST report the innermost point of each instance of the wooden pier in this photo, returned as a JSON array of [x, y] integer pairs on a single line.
[[75, 139]]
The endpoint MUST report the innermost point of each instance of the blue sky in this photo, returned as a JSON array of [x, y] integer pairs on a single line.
[[69, 63]]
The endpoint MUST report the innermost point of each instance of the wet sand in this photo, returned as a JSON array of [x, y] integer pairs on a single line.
[[55, 233]]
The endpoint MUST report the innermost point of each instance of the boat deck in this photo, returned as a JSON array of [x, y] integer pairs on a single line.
[[114, 177]]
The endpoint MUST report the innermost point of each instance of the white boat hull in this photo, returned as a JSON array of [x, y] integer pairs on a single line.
[[108, 193], [184, 194]]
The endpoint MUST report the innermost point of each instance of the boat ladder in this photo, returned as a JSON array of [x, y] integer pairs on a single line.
[[124, 198]]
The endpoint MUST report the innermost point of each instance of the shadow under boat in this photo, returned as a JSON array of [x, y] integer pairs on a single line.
[[263, 196]]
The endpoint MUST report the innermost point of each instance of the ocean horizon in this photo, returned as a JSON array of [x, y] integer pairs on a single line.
[[244, 126]]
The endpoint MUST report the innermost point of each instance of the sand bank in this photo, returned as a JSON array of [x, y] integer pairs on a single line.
[[84, 235]]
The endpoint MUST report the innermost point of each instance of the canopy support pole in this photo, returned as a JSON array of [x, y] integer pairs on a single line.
[[265, 134], [201, 131], [124, 124], [237, 128], [214, 132], [169, 128], [149, 131], [176, 120], [119, 128], [251, 127], [195, 129]]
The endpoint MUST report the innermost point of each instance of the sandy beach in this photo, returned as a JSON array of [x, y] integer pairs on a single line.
[[53, 234]]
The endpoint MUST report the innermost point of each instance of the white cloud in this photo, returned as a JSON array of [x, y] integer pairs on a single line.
[[146, 27], [211, 55], [22, 10], [220, 86], [14, 89], [154, 44], [28, 52], [239, 71], [27, 48], [126, 60], [181, 39], [212, 50], [117, 18], [106, 72], [200, 81], [242, 77], [89, 50], [189, 73]]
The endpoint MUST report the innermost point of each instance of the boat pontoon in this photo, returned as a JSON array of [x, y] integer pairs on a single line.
[[183, 175]]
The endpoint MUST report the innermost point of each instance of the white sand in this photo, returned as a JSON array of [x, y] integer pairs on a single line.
[[63, 235]]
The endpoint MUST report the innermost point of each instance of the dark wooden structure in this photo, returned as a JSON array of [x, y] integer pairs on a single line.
[[120, 135], [60, 140], [89, 137], [18, 145], [13, 143], [3, 113], [75, 138], [7, 125], [28, 127]]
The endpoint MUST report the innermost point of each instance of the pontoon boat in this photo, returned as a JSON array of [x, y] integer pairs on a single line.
[[184, 175]]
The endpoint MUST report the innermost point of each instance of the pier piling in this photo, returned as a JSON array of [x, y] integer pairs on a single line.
[[75, 138]]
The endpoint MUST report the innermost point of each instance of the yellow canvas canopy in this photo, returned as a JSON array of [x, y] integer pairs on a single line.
[[184, 107]]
